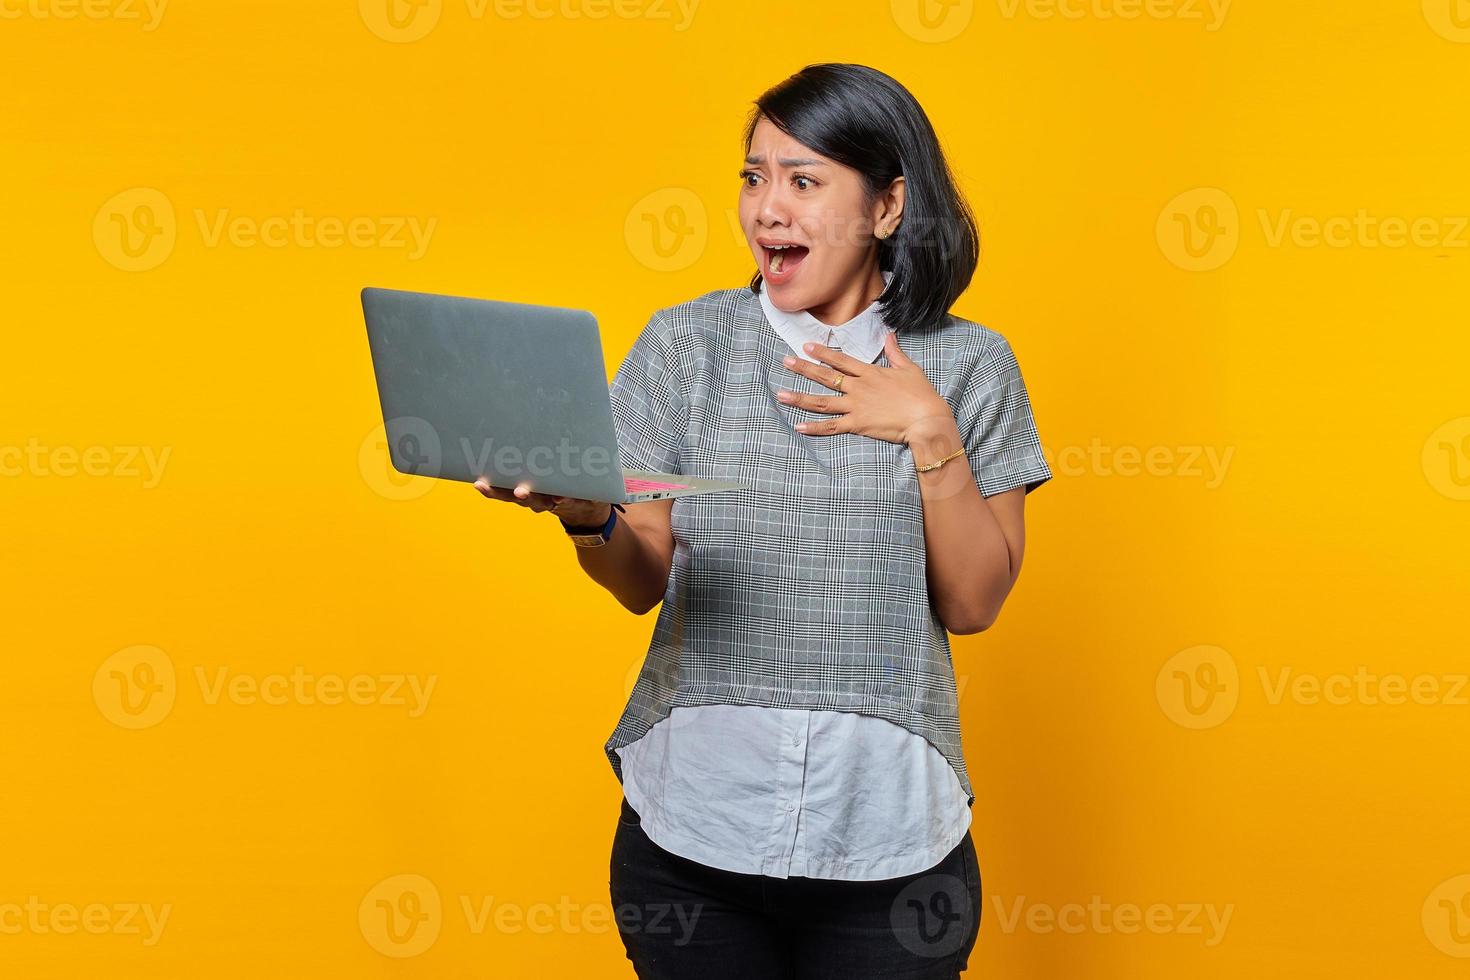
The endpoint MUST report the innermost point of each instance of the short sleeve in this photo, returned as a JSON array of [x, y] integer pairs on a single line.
[[999, 430], [649, 410]]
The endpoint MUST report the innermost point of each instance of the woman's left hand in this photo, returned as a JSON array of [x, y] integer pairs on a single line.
[[887, 403]]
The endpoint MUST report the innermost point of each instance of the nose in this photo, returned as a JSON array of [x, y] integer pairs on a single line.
[[772, 207]]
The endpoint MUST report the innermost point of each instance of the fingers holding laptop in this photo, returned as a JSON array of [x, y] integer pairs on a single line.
[[573, 510], [522, 494]]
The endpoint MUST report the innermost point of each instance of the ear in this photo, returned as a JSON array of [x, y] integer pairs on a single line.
[[888, 209], [896, 191]]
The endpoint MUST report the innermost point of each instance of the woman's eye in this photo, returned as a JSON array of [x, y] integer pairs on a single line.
[[745, 176]]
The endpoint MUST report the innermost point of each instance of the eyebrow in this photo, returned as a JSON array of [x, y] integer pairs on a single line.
[[756, 159]]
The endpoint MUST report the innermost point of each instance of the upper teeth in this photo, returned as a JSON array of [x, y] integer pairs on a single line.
[[778, 247]]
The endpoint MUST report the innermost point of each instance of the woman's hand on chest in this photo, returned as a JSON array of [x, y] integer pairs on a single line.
[[888, 403]]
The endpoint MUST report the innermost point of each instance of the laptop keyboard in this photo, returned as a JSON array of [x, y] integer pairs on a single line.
[[635, 485]]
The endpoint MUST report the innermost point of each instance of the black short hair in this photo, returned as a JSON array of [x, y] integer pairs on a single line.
[[864, 119]]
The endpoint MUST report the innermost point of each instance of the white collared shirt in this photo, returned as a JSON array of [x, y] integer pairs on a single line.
[[861, 337]]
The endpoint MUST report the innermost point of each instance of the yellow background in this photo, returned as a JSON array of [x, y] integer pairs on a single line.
[[547, 150]]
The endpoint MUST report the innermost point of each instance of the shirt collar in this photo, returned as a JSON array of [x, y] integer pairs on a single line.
[[861, 337]]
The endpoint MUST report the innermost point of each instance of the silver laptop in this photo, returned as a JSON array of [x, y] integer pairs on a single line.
[[508, 391]]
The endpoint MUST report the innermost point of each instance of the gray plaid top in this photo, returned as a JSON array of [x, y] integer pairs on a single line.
[[808, 590]]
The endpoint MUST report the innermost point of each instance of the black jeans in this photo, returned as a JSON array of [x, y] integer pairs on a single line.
[[682, 919]]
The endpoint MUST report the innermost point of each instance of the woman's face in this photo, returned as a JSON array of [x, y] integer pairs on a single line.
[[791, 195]]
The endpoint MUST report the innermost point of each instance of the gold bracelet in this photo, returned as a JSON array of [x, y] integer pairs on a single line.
[[934, 466]]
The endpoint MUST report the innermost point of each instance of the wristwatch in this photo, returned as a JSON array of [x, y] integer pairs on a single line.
[[593, 536]]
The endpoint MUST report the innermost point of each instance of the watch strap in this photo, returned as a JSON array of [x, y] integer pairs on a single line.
[[603, 529]]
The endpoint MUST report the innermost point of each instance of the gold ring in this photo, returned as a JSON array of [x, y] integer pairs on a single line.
[[838, 383]]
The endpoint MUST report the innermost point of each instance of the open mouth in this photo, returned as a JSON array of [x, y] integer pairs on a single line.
[[782, 260]]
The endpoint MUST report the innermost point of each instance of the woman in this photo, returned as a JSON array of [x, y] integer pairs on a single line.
[[796, 802]]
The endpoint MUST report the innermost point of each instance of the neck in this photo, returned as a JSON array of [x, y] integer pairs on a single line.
[[861, 294]]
